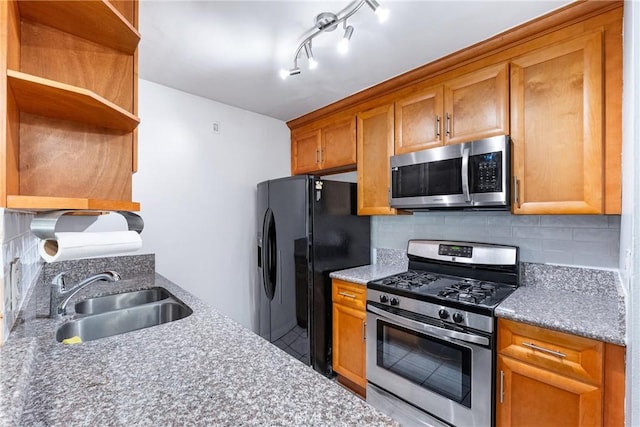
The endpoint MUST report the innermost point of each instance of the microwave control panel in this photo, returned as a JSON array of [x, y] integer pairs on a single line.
[[487, 171]]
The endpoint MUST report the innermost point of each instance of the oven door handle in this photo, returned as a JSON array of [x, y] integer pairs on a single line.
[[431, 330]]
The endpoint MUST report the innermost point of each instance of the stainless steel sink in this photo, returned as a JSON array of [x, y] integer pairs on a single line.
[[121, 313], [122, 300]]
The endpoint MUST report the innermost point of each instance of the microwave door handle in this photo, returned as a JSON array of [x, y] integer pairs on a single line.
[[428, 329], [465, 174]]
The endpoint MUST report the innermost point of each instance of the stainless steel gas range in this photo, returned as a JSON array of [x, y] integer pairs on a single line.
[[431, 333]]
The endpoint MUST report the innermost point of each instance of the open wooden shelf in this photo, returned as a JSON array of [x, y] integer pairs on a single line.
[[58, 100], [49, 203], [97, 21]]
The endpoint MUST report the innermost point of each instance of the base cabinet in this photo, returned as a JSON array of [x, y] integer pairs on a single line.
[[349, 325], [550, 378], [533, 396]]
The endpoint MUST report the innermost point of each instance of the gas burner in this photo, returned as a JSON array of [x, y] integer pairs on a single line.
[[410, 280], [470, 291]]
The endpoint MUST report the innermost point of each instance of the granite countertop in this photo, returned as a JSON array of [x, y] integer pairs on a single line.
[[205, 369], [366, 273], [584, 302], [573, 312], [579, 301]]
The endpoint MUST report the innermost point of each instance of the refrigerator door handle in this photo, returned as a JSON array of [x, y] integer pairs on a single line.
[[269, 252], [279, 281]]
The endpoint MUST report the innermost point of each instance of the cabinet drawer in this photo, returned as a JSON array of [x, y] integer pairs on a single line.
[[565, 354], [349, 294]]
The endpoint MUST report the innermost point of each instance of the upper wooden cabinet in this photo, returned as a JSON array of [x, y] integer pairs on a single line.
[[557, 129], [469, 107], [553, 84], [375, 146], [68, 85], [418, 121], [329, 147]]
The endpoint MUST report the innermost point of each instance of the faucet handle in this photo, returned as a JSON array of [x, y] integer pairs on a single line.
[[59, 280]]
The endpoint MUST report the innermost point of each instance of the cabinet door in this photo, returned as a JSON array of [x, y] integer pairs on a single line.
[[419, 121], [476, 105], [349, 343], [339, 144], [531, 396], [375, 147], [556, 123], [305, 151]]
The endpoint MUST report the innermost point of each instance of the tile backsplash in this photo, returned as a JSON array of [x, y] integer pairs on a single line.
[[577, 240], [20, 260]]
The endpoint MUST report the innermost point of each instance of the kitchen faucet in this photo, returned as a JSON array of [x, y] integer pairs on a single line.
[[60, 295]]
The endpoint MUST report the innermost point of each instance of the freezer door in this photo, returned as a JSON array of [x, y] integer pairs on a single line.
[[290, 304], [263, 302]]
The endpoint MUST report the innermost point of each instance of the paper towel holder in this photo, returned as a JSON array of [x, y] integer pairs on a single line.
[[43, 224]]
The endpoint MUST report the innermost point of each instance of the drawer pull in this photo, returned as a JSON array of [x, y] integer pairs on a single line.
[[544, 350], [348, 295], [501, 386]]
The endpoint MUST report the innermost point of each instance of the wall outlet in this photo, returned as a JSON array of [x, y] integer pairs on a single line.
[[216, 127], [627, 260]]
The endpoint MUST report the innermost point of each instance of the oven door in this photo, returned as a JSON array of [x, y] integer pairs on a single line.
[[447, 373]]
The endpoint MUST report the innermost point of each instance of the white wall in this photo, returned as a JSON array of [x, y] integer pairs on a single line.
[[629, 227], [197, 191]]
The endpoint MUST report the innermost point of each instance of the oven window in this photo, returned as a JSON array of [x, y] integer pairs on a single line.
[[429, 362], [439, 178]]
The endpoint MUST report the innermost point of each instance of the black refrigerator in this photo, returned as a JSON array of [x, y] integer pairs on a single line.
[[307, 228]]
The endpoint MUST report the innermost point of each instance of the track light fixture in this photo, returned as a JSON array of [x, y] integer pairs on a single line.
[[343, 46], [327, 22]]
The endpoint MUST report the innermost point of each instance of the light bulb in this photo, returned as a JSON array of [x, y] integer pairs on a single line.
[[313, 64], [383, 14], [284, 73], [343, 46]]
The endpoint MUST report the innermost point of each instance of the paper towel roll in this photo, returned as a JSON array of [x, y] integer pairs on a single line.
[[76, 245]]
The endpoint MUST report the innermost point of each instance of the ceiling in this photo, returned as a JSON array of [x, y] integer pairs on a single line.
[[232, 51]]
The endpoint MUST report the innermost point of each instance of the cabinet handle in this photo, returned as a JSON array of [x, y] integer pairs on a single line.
[[544, 350], [438, 127], [321, 154], [448, 125], [501, 386], [345, 294], [364, 331], [317, 154], [516, 199]]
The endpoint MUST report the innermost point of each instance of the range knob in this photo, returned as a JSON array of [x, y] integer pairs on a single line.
[[457, 317], [444, 314], [384, 299], [394, 301]]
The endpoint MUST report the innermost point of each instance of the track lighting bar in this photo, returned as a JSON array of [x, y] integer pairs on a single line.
[[327, 22]]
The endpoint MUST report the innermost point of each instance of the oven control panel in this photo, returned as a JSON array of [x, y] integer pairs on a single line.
[[444, 313], [455, 250]]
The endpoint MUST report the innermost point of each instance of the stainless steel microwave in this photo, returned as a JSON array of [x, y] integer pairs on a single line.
[[472, 175]]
